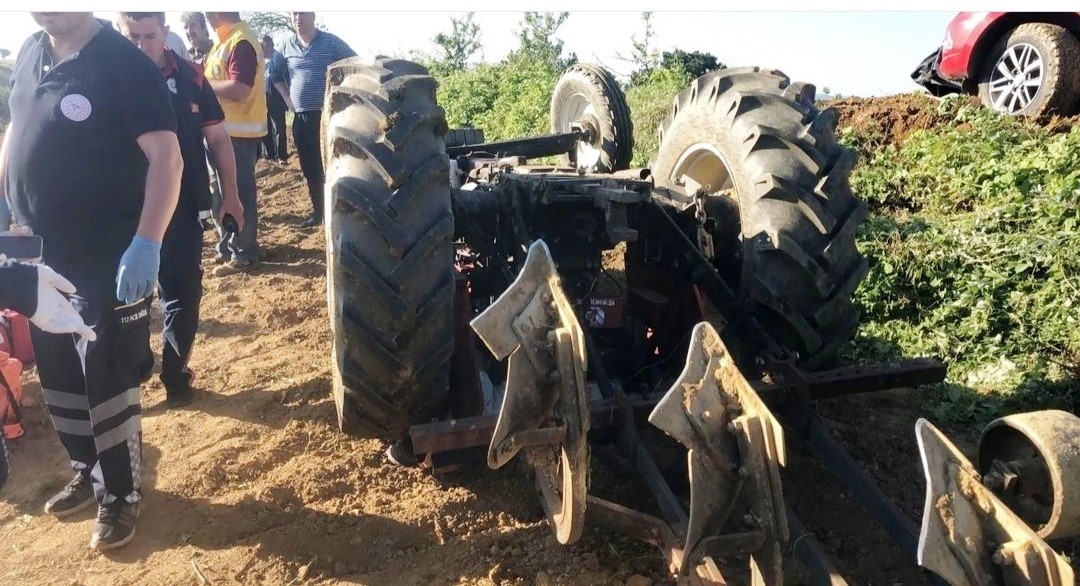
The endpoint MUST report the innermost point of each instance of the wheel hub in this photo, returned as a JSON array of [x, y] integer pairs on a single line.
[[578, 111], [1017, 78]]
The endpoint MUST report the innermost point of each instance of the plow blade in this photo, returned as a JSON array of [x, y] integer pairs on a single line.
[[736, 448], [969, 536], [545, 410]]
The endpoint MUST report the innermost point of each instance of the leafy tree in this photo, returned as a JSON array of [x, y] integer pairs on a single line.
[[538, 41], [643, 55], [268, 23], [694, 63], [650, 103], [460, 45], [4, 53]]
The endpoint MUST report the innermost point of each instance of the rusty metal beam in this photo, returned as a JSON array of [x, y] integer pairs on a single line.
[[653, 531], [808, 550], [867, 378], [472, 432]]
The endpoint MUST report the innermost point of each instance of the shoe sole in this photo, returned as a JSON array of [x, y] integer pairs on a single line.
[[60, 515], [106, 547]]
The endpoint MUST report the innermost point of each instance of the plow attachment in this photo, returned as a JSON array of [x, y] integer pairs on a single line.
[[735, 449], [969, 537], [545, 407]]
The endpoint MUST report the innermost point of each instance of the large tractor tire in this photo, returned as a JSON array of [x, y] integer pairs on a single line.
[[781, 211], [388, 246], [1033, 70], [590, 94]]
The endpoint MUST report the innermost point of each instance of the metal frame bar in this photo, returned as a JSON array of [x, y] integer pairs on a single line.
[[472, 432], [530, 148]]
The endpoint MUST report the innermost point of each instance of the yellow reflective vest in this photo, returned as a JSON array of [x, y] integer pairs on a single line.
[[247, 118]]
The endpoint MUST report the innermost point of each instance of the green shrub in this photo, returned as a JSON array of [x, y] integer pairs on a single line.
[[650, 103], [974, 258], [507, 100], [512, 99]]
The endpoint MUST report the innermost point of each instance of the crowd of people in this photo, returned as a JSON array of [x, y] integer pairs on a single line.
[[122, 142]]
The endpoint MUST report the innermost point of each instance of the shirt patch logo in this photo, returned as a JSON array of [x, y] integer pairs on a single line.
[[172, 84], [194, 108], [75, 107]]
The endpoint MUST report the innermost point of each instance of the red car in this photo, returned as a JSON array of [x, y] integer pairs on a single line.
[[1022, 63]]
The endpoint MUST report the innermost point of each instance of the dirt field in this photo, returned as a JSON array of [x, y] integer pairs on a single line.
[[253, 484]]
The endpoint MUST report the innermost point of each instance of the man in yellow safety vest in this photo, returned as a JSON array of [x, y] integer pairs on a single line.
[[234, 67]]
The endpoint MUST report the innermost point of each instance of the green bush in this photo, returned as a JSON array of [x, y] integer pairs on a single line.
[[650, 103], [507, 100], [512, 99], [974, 254]]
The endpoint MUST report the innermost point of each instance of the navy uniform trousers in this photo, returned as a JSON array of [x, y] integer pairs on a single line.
[[180, 290], [94, 403]]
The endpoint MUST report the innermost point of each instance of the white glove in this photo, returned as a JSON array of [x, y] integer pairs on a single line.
[[54, 313]]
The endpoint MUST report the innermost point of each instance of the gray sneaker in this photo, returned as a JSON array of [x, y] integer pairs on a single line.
[[115, 525], [76, 496]]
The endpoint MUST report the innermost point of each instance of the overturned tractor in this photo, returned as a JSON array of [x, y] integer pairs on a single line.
[[478, 301]]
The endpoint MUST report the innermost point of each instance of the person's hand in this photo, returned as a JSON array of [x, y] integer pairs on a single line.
[[138, 270], [233, 207], [54, 313]]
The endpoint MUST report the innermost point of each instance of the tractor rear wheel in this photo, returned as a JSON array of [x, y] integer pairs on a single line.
[[388, 246], [781, 211]]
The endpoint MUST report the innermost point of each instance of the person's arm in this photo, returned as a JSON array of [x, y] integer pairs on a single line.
[[283, 90], [230, 89], [166, 167], [242, 66], [139, 265], [279, 79], [222, 156], [5, 207], [221, 151]]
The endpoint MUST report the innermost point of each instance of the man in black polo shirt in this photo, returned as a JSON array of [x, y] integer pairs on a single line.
[[91, 163], [199, 116]]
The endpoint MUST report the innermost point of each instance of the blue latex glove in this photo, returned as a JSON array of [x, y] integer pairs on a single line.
[[138, 270]]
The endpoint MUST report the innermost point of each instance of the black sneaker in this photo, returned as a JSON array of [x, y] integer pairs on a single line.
[[76, 496], [311, 221], [401, 453], [115, 525], [178, 396]]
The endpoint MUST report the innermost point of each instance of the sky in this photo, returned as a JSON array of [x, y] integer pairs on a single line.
[[851, 53]]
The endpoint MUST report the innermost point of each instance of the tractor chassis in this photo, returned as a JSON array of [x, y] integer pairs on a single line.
[[512, 206]]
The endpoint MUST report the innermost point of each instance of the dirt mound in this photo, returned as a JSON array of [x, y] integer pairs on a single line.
[[889, 119], [1061, 124]]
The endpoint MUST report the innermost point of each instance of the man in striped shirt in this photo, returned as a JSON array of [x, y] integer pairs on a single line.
[[307, 55]]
